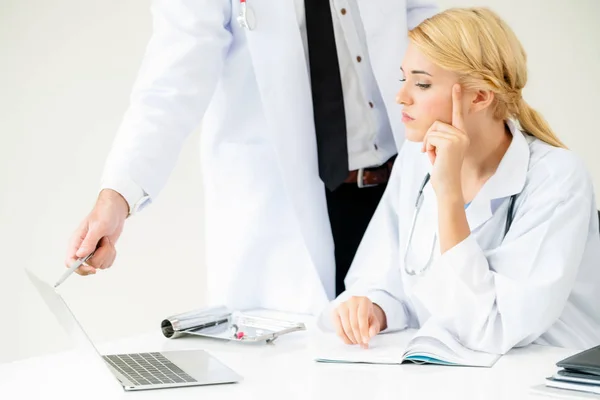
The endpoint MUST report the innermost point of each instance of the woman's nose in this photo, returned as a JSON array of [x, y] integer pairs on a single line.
[[402, 97]]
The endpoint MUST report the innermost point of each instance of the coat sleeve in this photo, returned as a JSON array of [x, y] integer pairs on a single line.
[[514, 293], [419, 10], [375, 270], [176, 81]]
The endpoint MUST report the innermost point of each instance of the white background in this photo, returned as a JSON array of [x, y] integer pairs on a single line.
[[66, 69]]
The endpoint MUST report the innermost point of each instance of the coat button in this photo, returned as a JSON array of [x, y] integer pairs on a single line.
[[343, 11], [358, 58], [371, 104]]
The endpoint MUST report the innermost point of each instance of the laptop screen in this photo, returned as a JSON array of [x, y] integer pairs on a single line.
[[95, 367]]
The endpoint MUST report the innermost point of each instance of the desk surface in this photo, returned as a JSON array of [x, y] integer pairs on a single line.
[[285, 370]]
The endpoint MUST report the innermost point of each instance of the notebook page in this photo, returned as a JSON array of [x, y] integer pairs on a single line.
[[383, 349], [435, 342]]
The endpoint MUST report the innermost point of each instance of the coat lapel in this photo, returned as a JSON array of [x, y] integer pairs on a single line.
[[282, 76]]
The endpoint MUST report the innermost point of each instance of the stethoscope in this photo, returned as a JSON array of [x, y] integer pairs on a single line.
[[418, 204], [246, 17]]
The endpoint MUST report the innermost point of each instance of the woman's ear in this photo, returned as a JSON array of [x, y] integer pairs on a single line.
[[482, 100]]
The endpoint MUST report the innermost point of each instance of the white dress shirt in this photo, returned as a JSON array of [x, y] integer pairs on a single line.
[[365, 112], [370, 138]]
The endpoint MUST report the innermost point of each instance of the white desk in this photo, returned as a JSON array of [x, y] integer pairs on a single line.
[[284, 370]]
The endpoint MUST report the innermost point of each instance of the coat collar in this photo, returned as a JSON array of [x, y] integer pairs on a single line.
[[511, 174], [508, 180]]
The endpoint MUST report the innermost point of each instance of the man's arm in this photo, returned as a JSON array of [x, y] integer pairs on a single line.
[[176, 81]]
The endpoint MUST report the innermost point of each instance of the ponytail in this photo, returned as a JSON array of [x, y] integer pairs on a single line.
[[533, 123]]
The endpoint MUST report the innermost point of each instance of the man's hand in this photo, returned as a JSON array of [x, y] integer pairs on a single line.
[[99, 231]]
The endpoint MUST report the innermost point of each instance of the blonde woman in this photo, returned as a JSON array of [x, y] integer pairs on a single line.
[[486, 227]]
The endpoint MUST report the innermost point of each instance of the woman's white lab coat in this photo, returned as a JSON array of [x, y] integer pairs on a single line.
[[538, 284]]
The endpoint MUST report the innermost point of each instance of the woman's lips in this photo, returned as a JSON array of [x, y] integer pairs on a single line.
[[406, 118]]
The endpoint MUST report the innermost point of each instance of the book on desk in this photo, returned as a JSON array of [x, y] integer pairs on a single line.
[[428, 345], [580, 372]]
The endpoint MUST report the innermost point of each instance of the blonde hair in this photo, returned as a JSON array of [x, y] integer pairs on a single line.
[[478, 45]]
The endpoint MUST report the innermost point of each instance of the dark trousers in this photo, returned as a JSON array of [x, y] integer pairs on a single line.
[[350, 210]]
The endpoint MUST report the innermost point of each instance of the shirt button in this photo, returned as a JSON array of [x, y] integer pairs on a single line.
[[371, 104], [376, 147], [358, 58], [343, 11]]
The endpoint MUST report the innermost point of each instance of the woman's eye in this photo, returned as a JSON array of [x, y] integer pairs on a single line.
[[424, 85], [402, 79]]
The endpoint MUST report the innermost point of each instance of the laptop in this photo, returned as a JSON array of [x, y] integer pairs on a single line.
[[137, 371]]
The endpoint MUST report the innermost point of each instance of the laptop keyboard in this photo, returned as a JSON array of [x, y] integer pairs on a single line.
[[148, 369]]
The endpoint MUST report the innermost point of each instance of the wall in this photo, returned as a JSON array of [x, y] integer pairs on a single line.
[[66, 69]]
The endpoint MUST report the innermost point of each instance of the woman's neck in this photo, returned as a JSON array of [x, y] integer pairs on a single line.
[[486, 149]]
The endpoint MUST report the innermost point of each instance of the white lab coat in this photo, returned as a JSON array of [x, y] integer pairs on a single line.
[[538, 284], [268, 239]]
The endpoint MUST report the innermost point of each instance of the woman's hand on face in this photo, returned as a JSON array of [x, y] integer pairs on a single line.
[[446, 146], [357, 320]]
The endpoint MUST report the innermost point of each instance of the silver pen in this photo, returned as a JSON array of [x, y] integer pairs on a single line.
[[72, 268]]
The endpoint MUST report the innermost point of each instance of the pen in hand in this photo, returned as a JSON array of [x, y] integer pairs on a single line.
[[72, 268]]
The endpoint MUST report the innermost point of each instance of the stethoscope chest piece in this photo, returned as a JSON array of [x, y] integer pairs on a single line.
[[246, 17]]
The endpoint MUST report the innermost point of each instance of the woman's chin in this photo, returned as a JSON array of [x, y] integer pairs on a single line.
[[413, 135]]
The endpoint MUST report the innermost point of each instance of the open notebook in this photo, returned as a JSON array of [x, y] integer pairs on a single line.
[[430, 344]]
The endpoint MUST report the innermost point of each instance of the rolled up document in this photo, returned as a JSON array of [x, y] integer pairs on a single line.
[[223, 323], [176, 325]]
